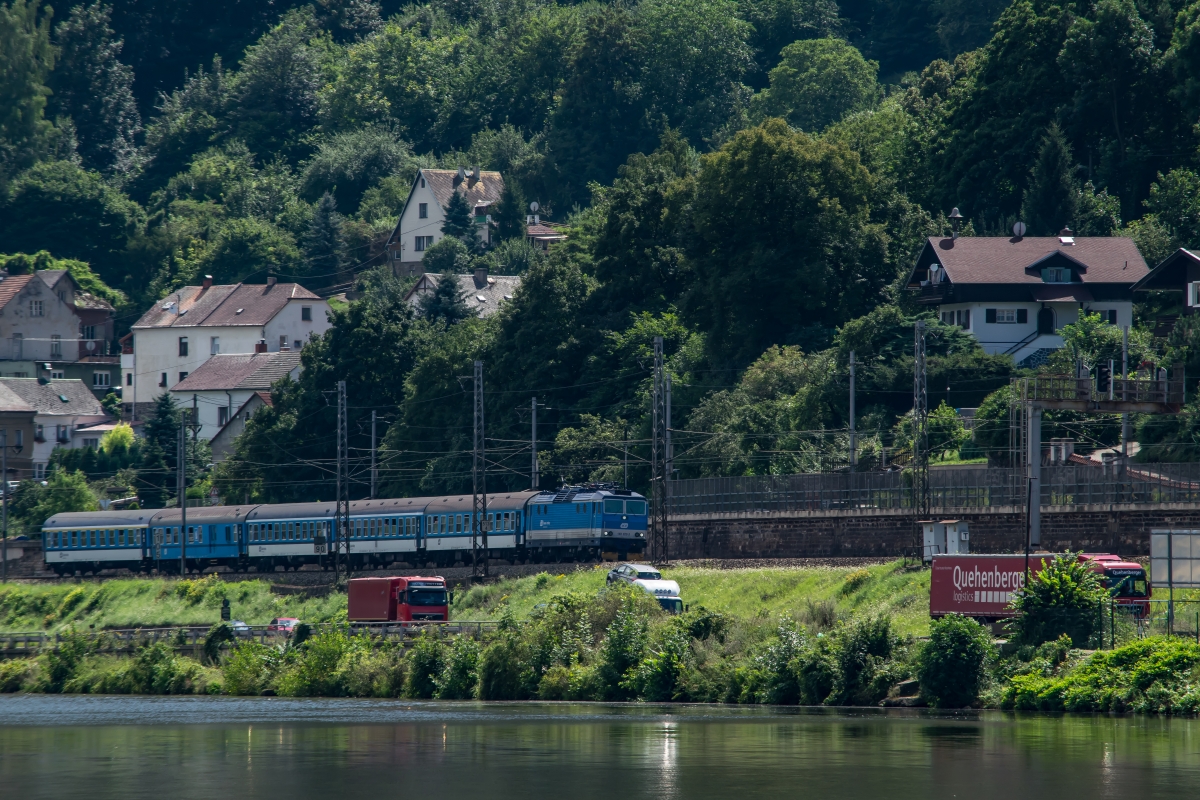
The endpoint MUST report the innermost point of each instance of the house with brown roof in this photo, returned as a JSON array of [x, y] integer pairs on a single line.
[[482, 292], [16, 430], [188, 327], [222, 384], [50, 327], [1014, 294], [420, 223]]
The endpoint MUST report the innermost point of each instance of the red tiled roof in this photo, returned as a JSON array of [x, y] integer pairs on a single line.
[[236, 304], [444, 182], [239, 371], [998, 260], [11, 286], [543, 230]]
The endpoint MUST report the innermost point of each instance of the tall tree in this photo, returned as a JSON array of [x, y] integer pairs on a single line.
[[324, 246], [817, 83], [26, 58], [94, 89], [510, 212], [460, 222], [446, 302], [1052, 196], [156, 474]]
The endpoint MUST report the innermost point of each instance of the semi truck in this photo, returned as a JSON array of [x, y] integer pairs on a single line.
[[398, 599], [984, 586]]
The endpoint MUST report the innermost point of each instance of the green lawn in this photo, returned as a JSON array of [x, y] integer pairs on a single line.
[[816, 596], [810, 594], [145, 602]]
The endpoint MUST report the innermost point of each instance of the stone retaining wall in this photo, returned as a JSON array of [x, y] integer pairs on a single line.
[[1124, 530]]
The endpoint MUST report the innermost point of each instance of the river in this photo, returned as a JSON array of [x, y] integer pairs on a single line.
[[218, 748]]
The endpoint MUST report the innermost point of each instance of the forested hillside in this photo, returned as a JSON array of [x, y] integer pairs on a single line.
[[749, 179]]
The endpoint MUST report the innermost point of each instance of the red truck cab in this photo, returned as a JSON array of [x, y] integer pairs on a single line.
[[1125, 580], [396, 599]]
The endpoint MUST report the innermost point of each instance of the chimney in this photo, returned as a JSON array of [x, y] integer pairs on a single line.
[[272, 280], [207, 282], [260, 346], [474, 176], [481, 277], [462, 176]]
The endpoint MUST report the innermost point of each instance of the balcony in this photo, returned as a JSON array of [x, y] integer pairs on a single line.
[[934, 294]]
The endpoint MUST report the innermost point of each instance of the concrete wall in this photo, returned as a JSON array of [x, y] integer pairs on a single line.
[[819, 534]]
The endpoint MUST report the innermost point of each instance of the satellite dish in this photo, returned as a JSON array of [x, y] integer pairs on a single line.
[[534, 206], [1019, 230]]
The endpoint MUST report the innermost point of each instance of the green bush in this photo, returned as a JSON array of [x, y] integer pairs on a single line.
[[426, 662], [1065, 597], [772, 675], [953, 665], [13, 675], [249, 668], [861, 649], [657, 677], [504, 673], [315, 671], [1154, 675], [622, 649], [816, 671], [460, 675]]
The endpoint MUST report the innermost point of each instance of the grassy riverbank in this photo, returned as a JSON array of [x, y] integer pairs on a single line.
[[818, 596]]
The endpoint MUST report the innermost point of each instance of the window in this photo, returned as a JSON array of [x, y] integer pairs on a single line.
[[163, 380], [1109, 316], [92, 443], [37, 308], [297, 344], [1006, 316], [57, 374], [635, 507], [963, 318], [283, 345], [18, 346], [423, 243], [214, 345], [613, 506], [423, 211], [306, 313], [20, 442], [129, 379], [182, 375], [1056, 275], [39, 433], [422, 182], [55, 346], [100, 379], [222, 415], [89, 331], [183, 346]]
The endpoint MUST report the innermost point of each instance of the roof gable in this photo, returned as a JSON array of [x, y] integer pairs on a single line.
[[222, 306], [998, 260], [444, 182], [224, 372], [1171, 275]]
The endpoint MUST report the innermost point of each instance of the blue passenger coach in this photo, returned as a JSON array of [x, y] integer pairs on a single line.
[[573, 523]]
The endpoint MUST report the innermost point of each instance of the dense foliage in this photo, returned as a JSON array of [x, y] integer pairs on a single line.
[[749, 179]]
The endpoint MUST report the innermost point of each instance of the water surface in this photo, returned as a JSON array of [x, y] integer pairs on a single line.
[[100, 747]]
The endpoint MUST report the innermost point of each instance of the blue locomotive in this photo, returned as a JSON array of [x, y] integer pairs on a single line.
[[570, 524]]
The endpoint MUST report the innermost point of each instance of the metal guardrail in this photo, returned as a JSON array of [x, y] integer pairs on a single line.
[[1058, 389], [129, 639], [960, 488]]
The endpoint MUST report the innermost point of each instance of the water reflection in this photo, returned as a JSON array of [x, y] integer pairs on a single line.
[[217, 748]]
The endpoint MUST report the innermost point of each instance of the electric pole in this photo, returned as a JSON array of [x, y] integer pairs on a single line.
[[658, 454], [342, 517], [181, 489], [920, 471], [374, 471], [479, 529], [853, 443], [533, 466]]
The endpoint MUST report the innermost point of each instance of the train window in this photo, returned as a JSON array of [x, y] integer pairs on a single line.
[[228, 534], [635, 506], [613, 506]]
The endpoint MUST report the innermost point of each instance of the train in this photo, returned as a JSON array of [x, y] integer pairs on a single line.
[[572, 523]]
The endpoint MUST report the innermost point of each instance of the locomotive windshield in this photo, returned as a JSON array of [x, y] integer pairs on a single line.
[[426, 597], [635, 506]]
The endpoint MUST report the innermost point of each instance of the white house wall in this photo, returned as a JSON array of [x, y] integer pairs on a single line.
[[209, 405], [412, 226], [57, 319], [289, 324], [999, 337]]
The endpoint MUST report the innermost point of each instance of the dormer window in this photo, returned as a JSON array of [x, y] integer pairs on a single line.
[[1056, 275]]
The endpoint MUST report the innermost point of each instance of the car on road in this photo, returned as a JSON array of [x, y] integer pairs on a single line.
[[651, 581], [283, 625], [239, 626]]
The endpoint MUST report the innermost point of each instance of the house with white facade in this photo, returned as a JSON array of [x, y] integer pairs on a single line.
[[63, 412], [420, 223], [223, 384], [1014, 294], [188, 327]]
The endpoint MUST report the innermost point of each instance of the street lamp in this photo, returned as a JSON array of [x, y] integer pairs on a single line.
[[4, 446]]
